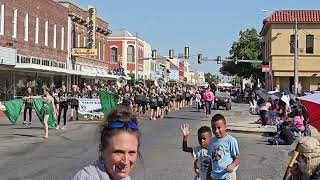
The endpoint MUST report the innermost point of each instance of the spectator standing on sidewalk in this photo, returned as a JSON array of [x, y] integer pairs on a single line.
[[119, 148], [208, 98], [28, 106]]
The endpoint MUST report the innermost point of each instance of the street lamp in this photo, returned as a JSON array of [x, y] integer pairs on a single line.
[[296, 77]]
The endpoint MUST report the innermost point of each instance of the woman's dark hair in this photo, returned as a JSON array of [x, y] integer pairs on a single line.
[[121, 113], [204, 129], [218, 117]]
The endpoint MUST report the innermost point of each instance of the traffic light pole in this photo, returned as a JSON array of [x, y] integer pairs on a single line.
[[235, 60]]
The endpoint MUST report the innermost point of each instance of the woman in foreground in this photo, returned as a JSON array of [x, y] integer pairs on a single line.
[[118, 150]]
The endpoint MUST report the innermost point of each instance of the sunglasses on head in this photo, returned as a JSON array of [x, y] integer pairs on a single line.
[[121, 124]]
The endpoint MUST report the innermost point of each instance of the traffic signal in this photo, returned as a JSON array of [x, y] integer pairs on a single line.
[[199, 58], [91, 28], [171, 54], [154, 54], [235, 60], [186, 53], [218, 59]]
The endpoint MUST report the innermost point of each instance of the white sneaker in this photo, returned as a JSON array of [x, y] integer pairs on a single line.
[[57, 127], [63, 127]]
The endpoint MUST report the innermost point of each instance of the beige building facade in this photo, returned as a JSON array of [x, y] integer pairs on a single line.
[[278, 49]]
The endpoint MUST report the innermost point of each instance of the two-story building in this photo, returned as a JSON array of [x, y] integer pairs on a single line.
[[278, 41], [33, 46], [127, 51], [86, 69]]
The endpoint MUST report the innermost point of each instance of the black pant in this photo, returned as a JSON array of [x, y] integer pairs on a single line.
[[65, 109], [25, 113], [263, 116]]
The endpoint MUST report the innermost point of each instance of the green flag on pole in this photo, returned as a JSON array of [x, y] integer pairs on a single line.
[[108, 101], [37, 106], [13, 109]]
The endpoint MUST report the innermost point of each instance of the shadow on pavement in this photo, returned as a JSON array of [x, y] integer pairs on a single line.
[[28, 128], [173, 117], [25, 135]]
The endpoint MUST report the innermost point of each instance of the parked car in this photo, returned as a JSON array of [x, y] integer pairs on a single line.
[[222, 99]]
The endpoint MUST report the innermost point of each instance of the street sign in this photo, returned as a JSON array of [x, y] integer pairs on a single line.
[[265, 67], [84, 52]]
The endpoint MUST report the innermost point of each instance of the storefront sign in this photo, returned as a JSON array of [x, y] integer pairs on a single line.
[[88, 106], [8, 56], [84, 52]]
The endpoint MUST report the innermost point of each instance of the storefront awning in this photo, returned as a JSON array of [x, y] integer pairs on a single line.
[[27, 66]]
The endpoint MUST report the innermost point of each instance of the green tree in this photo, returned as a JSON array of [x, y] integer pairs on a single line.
[[249, 47], [211, 78]]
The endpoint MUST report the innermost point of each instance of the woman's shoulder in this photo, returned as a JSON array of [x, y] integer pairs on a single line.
[[87, 173], [94, 172]]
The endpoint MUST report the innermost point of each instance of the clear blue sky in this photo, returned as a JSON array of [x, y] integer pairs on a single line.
[[206, 26]]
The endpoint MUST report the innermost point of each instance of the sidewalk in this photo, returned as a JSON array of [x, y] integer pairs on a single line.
[[250, 127]]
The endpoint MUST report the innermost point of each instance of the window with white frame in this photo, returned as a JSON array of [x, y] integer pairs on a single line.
[[54, 36], [114, 55], [2, 19], [14, 23], [130, 51], [62, 38], [26, 27], [46, 29], [36, 39]]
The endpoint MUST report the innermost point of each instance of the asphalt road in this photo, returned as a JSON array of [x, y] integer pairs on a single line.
[[24, 155]]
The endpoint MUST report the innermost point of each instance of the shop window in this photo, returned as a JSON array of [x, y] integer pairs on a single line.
[[6, 85], [309, 44]]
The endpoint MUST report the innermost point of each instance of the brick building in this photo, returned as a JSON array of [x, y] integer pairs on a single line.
[[36, 39], [87, 69], [123, 49], [33, 46]]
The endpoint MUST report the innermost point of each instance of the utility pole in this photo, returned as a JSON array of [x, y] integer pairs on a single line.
[[296, 77], [136, 58]]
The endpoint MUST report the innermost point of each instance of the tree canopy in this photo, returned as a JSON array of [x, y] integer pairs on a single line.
[[249, 47]]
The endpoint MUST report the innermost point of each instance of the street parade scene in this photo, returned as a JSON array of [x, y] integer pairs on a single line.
[[107, 90]]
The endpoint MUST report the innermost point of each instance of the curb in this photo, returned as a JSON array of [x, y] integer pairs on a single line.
[[267, 134]]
